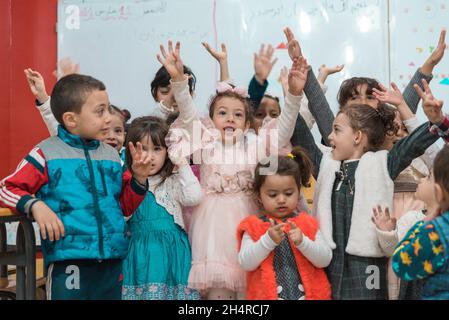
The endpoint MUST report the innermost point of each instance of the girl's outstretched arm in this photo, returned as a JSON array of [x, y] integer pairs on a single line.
[[424, 73], [252, 254], [222, 59], [171, 60]]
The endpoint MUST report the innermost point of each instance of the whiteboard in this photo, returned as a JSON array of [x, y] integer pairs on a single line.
[[415, 30], [117, 41]]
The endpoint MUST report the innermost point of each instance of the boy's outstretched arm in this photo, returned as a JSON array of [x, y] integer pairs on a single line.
[[37, 87]]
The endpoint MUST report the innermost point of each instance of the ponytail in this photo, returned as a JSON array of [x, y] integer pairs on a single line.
[[305, 165], [375, 123]]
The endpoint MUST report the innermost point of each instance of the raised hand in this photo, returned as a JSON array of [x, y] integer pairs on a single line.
[[65, 67], [49, 223], [382, 219], [432, 107], [177, 156], [294, 49], [295, 233], [219, 56], [297, 77], [263, 63], [276, 232], [436, 55], [283, 79], [393, 96], [141, 162], [222, 58], [172, 61], [37, 85], [325, 71]]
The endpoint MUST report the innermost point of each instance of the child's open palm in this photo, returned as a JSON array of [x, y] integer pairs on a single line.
[[65, 67], [263, 62], [438, 53], [294, 49], [219, 56], [297, 77], [141, 162], [383, 220], [393, 96], [432, 107], [172, 61], [330, 70]]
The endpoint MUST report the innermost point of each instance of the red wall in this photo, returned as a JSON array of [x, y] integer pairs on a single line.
[[27, 39]]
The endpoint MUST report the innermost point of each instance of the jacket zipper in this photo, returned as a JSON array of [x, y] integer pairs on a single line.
[[96, 203]]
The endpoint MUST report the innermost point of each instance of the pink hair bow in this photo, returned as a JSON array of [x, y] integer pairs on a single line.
[[226, 87]]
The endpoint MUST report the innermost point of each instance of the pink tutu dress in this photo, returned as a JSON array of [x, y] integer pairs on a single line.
[[227, 175]]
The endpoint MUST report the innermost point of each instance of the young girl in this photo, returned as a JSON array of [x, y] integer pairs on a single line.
[[159, 256], [353, 178], [163, 95], [226, 182], [423, 252], [282, 249], [116, 135], [407, 290], [405, 185]]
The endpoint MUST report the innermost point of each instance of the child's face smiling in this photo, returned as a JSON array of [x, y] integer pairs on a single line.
[[362, 97], [116, 134], [94, 120], [279, 195], [229, 118], [342, 140]]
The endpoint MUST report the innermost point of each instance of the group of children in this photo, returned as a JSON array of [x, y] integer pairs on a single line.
[[130, 212]]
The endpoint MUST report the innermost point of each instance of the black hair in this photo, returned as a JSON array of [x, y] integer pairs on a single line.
[[298, 165], [156, 129], [349, 88], [71, 92], [162, 79]]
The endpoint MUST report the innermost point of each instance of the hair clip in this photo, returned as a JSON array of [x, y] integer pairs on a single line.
[[291, 156]]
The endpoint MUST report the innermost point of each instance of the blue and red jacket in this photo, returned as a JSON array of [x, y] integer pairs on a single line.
[[83, 183]]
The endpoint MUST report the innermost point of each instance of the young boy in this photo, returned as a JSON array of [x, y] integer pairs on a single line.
[[72, 185], [424, 252]]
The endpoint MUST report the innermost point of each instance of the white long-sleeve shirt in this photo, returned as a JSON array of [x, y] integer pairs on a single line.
[[252, 253], [48, 117]]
